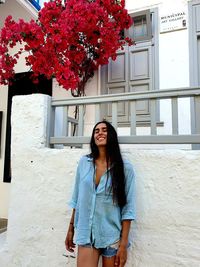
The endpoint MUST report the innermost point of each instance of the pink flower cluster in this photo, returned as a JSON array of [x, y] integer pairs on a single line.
[[67, 42]]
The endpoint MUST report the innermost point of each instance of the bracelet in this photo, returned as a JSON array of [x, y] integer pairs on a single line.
[[71, 223]]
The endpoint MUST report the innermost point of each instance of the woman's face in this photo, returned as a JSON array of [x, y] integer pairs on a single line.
[[100, 134]]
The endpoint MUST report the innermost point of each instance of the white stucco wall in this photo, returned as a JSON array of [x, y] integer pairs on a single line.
[[166, 232], [17, 9], [4, 199]]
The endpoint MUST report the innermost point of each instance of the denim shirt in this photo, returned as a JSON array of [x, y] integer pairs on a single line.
[[96, 216]]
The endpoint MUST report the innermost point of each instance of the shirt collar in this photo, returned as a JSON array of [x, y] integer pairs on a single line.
[[89, 158]]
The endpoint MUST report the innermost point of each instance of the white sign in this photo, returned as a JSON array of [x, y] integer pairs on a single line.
[[173, 22]]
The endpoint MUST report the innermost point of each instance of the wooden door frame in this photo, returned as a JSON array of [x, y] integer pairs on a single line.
[[193, 60], [155, 60]]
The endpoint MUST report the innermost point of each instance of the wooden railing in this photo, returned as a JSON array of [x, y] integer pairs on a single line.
[[152, 96]]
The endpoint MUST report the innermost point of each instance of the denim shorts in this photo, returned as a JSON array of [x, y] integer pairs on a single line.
[[109, 251]]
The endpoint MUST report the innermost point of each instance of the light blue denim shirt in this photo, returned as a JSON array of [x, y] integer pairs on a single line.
[[96, 216]]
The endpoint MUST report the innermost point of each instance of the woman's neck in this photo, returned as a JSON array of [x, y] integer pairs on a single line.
[[102, 154]]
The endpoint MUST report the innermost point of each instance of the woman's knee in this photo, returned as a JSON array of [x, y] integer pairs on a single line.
[[87, 256], [108, 261]]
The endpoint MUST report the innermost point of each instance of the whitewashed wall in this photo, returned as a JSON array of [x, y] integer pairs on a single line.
[[166, 232], [18, 9]]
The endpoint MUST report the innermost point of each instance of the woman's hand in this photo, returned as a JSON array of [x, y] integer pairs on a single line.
[[121, 257], [69, 244]]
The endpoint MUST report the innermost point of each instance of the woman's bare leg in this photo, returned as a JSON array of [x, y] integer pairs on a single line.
[[108, 262], [87, 257]]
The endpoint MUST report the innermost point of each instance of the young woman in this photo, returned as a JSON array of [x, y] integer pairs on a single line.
[[102, 202]]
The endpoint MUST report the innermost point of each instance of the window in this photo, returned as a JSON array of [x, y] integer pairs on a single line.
[[141, 29]]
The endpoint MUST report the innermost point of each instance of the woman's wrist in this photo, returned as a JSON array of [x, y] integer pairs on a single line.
[[71, 226], [123, 243]]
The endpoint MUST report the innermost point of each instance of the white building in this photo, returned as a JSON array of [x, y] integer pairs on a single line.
[[166, 55]]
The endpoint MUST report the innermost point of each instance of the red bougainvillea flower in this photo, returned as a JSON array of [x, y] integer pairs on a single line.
[[67, 42]]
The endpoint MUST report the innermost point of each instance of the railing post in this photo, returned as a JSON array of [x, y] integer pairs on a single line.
[[174, 115], [153, 116], [133, 117], [65, 121], [195, 122], [97, 113], [80, 121], [50, 122], [114, 115], [197, 114]]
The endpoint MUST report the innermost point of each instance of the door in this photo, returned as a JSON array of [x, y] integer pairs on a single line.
[[132, 71]]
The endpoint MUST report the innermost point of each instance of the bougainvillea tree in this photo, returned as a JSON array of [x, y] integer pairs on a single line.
[[68, 41]]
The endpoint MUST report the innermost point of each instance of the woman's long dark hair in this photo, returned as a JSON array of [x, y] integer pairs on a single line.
[[113, 156]]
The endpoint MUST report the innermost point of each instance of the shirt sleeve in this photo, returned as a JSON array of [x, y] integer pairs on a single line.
[[73, 202], [128, 211]]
